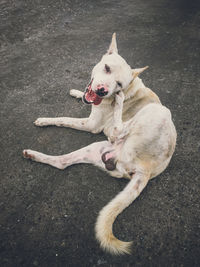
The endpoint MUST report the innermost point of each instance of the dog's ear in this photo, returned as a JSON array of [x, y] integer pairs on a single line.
[[136, 72], [113, 45]]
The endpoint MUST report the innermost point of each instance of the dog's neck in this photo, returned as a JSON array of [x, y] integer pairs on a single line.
[[129, 92], [132, 89]]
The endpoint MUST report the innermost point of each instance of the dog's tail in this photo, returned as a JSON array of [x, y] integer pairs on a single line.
[[109, 213]]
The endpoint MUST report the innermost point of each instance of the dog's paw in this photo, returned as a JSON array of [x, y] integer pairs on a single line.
[[41, 122], [76, 93], [27, 153], [119, 98]]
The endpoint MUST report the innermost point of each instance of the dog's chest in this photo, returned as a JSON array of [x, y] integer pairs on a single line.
[[128, 112]]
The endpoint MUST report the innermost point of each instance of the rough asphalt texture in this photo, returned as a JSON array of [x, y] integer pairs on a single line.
[[47, 216]]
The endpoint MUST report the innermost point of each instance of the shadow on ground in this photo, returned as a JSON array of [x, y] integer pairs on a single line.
[[47, 216]]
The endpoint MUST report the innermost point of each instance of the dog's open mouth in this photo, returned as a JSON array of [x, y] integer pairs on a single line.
[[90, 97]]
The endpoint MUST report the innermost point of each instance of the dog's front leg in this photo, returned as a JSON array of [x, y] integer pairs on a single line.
[[117, 117], [91, 124]]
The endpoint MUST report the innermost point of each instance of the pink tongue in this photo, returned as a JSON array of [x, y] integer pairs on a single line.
[[92, 97], [97, 100]]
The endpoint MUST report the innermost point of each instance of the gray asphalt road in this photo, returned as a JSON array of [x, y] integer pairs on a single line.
[[47, 216]]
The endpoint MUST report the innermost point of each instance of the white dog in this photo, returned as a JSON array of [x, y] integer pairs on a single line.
[[140, 131]]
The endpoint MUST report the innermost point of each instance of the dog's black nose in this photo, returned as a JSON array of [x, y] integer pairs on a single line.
[[101, 91]]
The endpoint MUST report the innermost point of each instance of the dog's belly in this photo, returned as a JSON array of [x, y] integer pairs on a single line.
[[152, 139], [130, 109]]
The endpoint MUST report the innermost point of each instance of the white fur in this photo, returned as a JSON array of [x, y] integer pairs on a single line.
[[141, 138], [76, 93]]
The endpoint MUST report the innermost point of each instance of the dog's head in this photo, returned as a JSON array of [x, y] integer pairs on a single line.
[[111, 75]]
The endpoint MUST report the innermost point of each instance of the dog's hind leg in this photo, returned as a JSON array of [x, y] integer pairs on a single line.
[[76, 93], [89, 154]]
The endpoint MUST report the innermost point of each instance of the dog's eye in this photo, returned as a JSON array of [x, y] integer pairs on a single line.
[[119, 84], [107, 68]]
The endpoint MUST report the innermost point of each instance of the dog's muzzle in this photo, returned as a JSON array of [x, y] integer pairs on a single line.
[[91, 97]]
